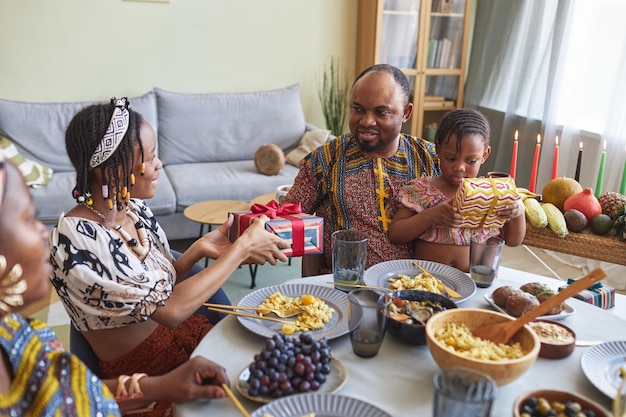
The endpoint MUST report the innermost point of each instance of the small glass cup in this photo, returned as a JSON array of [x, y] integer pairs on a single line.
[[463, 392], [368, 312], [485, 258], [349, 248]]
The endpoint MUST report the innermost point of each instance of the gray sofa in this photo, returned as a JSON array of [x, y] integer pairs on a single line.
[[207, 143]]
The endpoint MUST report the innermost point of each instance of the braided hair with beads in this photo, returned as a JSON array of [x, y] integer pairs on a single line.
[[462, 122], [84, 136]]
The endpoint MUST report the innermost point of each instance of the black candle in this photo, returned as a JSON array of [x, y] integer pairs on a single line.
[[580, 157]]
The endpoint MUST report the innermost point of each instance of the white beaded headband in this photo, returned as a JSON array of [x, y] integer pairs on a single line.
[[118, 126]]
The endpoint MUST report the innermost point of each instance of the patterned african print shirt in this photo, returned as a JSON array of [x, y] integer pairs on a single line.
[[99, 278], [47, 381], [420, 194], [352, 191]]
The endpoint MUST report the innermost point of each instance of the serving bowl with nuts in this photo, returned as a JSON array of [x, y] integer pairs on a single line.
[[557, 340]]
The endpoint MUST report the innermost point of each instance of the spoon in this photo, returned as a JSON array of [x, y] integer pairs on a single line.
[[503, 332]]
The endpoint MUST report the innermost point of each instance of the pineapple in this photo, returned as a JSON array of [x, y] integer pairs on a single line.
[[611, 203], [620, 224]]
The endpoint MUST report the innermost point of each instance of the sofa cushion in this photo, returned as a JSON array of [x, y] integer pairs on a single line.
[[227, 127], [38, 129], [234, 180], [35, 174], [56, 197], [311, 140]]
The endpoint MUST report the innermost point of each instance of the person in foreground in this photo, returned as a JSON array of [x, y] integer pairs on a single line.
[[352, 181], [39, 378], [427, 216], [112, 266]]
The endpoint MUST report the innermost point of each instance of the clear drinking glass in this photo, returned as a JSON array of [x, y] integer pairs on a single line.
[[349, 249], [368, 312], [463, 392]]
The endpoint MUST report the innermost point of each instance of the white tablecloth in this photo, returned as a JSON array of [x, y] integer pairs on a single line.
[[399, 379]]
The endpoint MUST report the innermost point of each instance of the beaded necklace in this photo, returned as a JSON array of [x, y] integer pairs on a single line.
[[142, 247]]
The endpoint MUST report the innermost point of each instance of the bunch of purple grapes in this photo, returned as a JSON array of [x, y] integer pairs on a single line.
[[289, 365]]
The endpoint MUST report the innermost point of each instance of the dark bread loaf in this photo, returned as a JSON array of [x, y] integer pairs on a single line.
[[542, 292], [501, 294], [520, 302]]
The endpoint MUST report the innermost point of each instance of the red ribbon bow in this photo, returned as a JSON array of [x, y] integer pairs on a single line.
[[272, 210]]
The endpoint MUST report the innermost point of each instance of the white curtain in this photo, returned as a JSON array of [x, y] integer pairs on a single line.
[[521, 51]]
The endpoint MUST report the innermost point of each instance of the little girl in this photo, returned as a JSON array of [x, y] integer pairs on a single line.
[[427, 216]]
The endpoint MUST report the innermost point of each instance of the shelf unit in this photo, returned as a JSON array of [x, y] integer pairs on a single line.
[[428, 41]]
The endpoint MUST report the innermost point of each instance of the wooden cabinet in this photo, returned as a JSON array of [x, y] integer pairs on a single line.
[[428, 40]]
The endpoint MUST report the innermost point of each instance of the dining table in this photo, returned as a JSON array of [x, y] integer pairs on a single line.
[[399, 380]]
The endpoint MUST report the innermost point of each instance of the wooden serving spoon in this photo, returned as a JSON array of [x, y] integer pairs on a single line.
[[503, 332]]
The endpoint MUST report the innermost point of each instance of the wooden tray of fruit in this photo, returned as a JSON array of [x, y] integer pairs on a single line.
[[586, 244]]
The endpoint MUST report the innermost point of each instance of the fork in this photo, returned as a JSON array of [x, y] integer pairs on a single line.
[[280, 313]]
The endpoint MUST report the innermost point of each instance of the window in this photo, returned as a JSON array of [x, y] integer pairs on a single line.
[[594, 62]]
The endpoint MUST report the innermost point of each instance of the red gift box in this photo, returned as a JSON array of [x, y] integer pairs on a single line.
[[304, 231]]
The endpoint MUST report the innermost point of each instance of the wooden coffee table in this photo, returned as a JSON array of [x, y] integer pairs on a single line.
[[263, 199], [215, 212]]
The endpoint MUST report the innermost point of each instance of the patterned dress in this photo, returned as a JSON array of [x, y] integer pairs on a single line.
[[104, 292], [419, 195], [48, 381], [351, 191]]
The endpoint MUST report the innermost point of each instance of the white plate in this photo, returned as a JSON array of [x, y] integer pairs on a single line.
[[338, 300], [567, 311], [456, 279], [323, 405], [336, 379], [601, 364]]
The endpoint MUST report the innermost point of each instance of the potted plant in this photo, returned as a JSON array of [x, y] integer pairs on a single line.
[[333, 94]]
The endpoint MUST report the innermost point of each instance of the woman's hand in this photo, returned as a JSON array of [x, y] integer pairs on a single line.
[[196, 378], [263, 246], [215, 243]]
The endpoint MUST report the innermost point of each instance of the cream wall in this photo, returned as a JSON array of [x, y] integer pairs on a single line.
[[66, 50]]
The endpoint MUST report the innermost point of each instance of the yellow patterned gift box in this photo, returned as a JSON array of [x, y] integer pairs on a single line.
[[478, 198]]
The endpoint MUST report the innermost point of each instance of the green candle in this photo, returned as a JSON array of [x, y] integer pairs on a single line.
[[601, 172]]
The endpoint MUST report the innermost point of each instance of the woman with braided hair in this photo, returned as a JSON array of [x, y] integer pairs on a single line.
[[37, 377], [112, 266], [427, 216]]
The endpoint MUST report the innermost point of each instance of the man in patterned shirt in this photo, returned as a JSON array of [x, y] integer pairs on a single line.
[[352, 181]]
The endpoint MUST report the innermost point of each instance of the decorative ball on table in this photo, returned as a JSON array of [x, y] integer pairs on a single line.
[[269, 159]]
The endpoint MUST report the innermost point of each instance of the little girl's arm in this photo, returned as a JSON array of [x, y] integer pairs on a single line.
[[514, 229], [408, 225]]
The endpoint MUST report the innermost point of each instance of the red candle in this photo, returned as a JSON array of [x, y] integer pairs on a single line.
[[578, 163], [555, 163], [514, 157], [533, 172]]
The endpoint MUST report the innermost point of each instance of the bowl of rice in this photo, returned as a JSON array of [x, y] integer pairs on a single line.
[[451, 342]]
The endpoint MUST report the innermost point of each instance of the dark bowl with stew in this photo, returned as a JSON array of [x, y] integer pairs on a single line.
[[409, 312]]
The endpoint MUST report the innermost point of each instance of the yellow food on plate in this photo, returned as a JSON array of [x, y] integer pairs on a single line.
[[314, 312], [423, 282]]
